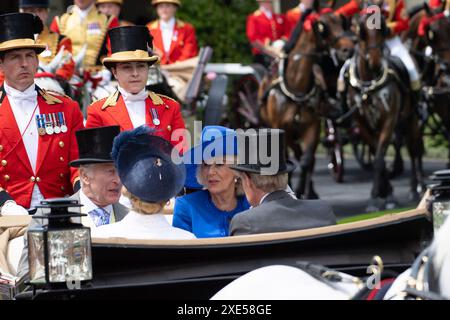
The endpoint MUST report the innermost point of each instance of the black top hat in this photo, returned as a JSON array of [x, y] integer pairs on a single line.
[[128, 44], [17, 32], [95, 145], [145, 166], [262, 151], [33, 4]]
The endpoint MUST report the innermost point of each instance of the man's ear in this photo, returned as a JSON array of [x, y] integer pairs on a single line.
[[114, 72], [84, 178]]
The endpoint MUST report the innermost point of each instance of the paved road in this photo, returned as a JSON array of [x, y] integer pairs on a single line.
[[350, 198]]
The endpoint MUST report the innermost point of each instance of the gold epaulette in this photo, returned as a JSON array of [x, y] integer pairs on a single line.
[[157, 98], [49, 97], [257, 13], [153, 24], [111, 101], [181, 23]]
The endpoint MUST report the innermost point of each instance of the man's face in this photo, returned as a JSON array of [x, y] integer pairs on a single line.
[[19, 67], [166, 11], [266, 5], [42, 13], [101, 184], [132, 76], [110, 9], [83, 4]]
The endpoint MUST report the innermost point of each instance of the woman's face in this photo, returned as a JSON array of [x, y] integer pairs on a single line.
[[217, 176], [166, 11], [132, 76]]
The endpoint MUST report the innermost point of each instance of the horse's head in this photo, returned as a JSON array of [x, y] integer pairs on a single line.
[[338, 37], [436, 31], [372, 33]]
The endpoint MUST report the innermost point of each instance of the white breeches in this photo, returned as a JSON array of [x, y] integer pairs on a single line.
[[398, 49]]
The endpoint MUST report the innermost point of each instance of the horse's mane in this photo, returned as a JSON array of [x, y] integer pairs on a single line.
[[290, 44]]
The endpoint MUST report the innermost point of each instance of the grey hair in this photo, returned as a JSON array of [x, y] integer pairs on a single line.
[[268, 183], [87, 169]]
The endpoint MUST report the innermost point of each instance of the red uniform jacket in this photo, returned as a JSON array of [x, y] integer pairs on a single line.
[[434, 4], [53, 175], [397, 21], [263, 30], [184, 42], [112, 111], [292, 18]]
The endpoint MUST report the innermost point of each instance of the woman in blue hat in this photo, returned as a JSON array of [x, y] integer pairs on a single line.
[[207, 213], [150, 178]]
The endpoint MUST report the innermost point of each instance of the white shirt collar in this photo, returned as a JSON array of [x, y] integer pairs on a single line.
[[28, 93], [88, 205], [129, 97], [263, 198], [266, 12], [84, 13], [167, 25]]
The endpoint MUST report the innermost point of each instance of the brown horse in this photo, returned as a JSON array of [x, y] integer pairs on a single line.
[[437, 36], [383, 107], [295, 99]]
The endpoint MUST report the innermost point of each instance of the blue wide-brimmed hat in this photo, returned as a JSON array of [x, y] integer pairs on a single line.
[[215, 141], [145, 166]]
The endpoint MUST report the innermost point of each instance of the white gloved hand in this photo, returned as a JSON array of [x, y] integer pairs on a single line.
[[11, 208]]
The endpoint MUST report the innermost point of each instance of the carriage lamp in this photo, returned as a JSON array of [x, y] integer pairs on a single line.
[[440, 198], [59, 250]]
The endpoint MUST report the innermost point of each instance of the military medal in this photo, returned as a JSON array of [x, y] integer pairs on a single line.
[[41, 130], [62, 119], [48, 125], [56, 124], [155, 117]]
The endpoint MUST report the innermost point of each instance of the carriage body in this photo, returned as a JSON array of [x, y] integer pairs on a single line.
[[197, 269]]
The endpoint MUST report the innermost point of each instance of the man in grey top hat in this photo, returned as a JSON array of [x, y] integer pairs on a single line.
[[264, 180]]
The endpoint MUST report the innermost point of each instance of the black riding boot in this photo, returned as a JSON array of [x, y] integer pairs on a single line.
[[418, 105], [345, 119]]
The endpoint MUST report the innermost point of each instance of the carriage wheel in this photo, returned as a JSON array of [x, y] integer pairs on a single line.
[[215, 106], [335, 151], [244, 104], [362, 153]]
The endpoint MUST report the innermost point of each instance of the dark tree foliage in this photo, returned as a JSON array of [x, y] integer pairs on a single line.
[[221, 25]]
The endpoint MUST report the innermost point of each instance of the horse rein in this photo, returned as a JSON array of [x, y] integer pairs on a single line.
[[422, 282]]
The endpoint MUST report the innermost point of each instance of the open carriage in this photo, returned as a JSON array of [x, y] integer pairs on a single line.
[[197, 269]]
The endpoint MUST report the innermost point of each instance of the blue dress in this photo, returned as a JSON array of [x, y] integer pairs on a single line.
[[197, 213]]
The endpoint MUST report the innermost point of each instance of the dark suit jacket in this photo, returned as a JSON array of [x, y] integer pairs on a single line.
[[120, 212], [280, 212]]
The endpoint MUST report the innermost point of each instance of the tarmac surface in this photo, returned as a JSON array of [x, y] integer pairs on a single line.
[[350, 197]]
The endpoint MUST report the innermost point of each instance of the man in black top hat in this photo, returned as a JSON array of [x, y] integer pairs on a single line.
[[37, 130], [100, 184], [264, 180]]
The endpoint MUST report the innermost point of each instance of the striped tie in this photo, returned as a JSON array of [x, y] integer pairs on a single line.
[[100, 216]]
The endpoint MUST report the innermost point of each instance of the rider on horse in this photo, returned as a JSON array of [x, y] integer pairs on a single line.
[[397, 21]]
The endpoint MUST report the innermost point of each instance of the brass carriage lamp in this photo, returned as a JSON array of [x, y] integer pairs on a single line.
[[59, 250], [440, 198]]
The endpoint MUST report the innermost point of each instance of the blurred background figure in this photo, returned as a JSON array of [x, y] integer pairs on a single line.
[[112, 8], [264, 29], [173, 40]]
